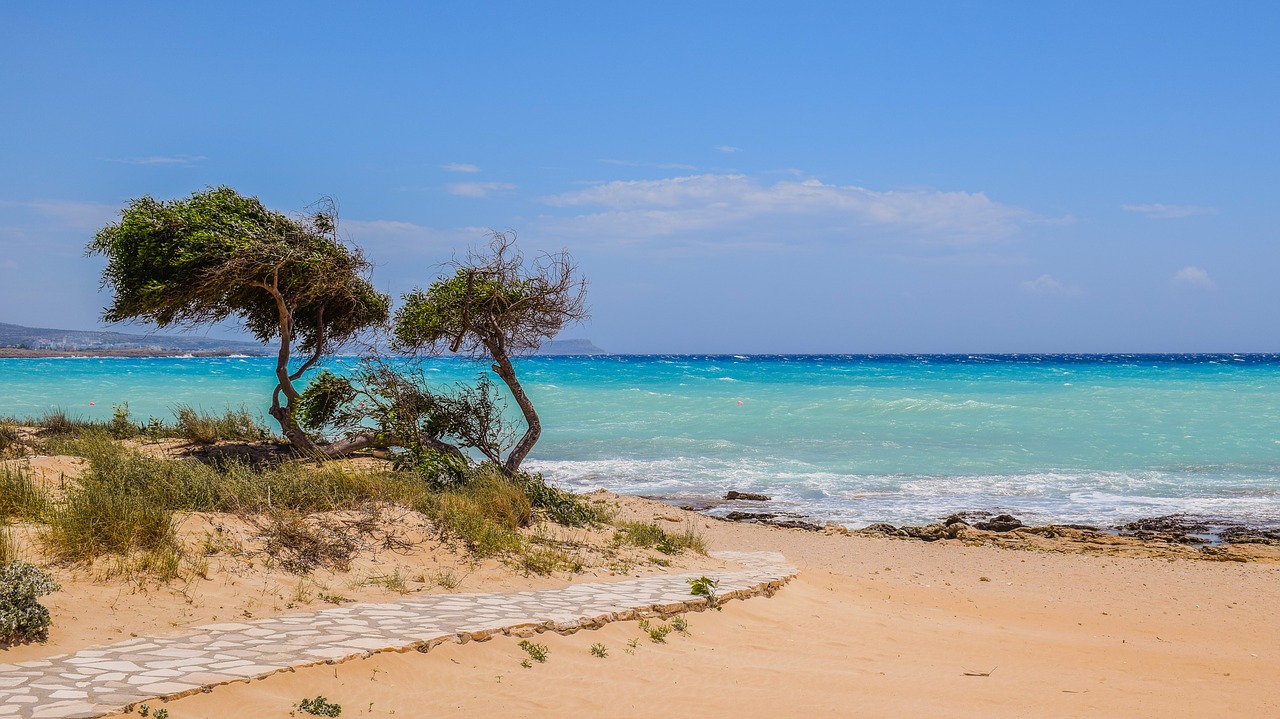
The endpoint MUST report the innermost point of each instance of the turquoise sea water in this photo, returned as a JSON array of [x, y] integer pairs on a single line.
[[854, 439]]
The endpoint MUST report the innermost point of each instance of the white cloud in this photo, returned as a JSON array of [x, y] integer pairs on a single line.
[[479, 189], [656, 165], [1161, 211], [392, 236], [70, 214], [1049, 285], [655, 208], [728, 148], [460, 167], [182, 160], [1193, 277]]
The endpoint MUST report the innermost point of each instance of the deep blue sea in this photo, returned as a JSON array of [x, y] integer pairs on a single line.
[[852, 439]]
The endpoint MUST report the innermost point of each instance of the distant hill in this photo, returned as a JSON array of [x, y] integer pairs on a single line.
[[54, 340], [570, 347]]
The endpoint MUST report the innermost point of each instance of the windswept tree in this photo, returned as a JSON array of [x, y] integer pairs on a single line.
[[496, 306], [217, 255]]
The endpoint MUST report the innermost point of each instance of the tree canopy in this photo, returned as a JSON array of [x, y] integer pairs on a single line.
[[496, 306], [217, 255]]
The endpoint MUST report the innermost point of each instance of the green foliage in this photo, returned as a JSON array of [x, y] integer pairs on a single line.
[[451, 307], [10, 440], [559, 506], [658, 634], [321, 707], [323, 399], [233, 425], [484, 513], [122, 425], [705, 587], [599, 651], [22, 617], [203, 259], [647, 534], [680, 624], [19, 495], [536, 652]]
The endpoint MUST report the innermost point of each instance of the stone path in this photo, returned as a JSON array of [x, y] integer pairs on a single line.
[[106, 679]]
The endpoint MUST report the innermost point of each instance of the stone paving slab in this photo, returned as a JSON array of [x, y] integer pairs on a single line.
[[105, 679]]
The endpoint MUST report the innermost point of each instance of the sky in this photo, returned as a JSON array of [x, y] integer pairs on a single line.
[[731, 177]]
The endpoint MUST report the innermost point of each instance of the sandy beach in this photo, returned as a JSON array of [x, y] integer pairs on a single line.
[[872, 628]]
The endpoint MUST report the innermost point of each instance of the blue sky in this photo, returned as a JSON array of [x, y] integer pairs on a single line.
[[732, 177]]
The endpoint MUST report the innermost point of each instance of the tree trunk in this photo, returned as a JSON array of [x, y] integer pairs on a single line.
[[502, 366]]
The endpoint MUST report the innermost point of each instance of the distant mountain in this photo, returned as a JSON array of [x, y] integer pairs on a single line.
[[570, 347], [43, 338]]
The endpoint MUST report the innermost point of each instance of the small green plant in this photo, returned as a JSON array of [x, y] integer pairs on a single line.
[[144, 710], [648, 534], [599, 650], [22, 616], [658, 634], [643, 624], [536, 652], [122, 425], [162, 714], [319, 706], [526, 663], [680, 624], [705, 587]]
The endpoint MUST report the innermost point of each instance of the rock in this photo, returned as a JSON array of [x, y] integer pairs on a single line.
[[748, 516], [796, 524], [1000, 523], [749, 496], [954, 519], [1249, 535], [879, 528]]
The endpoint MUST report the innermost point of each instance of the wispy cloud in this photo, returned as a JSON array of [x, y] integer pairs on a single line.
[[1193, 277], [181, 160], [479, 189], [1049, 285], [655, 165], [728, 148], [389, 237], [69, 214], [1160, 211], [460, 167], [710, 202]]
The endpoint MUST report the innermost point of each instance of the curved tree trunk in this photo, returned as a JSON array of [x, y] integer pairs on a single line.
[[502, 366]]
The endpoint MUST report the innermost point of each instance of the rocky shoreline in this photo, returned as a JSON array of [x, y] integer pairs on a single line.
[[1170, 535]]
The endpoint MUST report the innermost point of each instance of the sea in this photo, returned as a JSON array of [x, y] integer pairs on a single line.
[[850, 439]]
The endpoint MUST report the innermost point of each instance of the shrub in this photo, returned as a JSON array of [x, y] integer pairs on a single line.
[[19, 496], [560, 506], [320, 707], [203, 428], [10, 440], [647, 534], [22, 617], [122, 425], [536, 652], [705, 587]]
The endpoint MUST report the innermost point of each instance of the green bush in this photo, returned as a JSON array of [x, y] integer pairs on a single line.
[[22, 617], [19, 496], [647, 534], [560, 506], [320, 707], [203, 428]]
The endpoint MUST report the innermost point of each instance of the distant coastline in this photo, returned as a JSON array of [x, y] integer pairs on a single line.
[[24, 353]]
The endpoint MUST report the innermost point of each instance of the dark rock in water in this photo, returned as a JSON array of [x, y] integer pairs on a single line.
[[1174, 523], [879, 528], [954, 519], [796, 524], [750, 496], [1176, 528], [1000, 523], [1249, 535], [748, 516]]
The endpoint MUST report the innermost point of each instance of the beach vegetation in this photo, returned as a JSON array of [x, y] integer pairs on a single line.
[[219, 255], [10, 439], [319, 706], [232, 425], [20, 497], [496, 307], [599, 650], [658, 634], [680, 624], [22, 617], [537, 652], [705, 586], [650, 535]]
